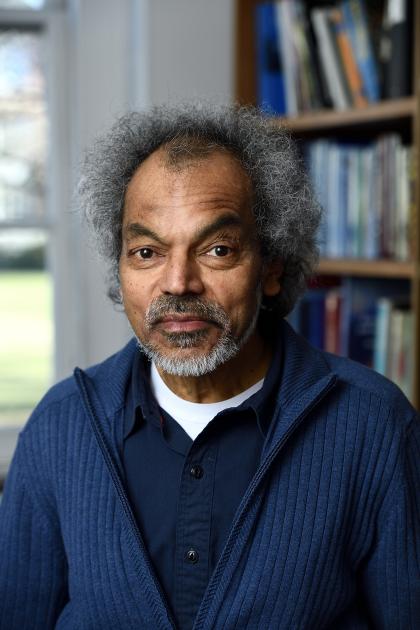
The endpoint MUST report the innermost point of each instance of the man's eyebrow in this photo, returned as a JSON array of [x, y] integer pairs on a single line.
[[226, 220], [133, 230], [137, 229]]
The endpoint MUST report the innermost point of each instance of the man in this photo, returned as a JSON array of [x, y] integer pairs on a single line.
[[218, 472]]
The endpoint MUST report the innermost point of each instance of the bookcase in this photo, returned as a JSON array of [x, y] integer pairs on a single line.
[[400, 115]]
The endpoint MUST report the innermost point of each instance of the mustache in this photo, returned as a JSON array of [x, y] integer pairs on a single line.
[[165, 305]]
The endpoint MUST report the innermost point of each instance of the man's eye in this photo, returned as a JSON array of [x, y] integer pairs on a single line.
[[220, 250], [144, 253]]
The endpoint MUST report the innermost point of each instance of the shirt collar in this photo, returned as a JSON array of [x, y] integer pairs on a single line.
[[140, 398]]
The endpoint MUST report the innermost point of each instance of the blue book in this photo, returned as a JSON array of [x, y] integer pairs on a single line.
[[342, 205], [312, 317], [360, 311], [382, 335], [316, 155], [270, 77], [356, 23]]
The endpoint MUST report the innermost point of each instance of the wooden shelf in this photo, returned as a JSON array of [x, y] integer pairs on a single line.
[[394, 110], [366, 268]]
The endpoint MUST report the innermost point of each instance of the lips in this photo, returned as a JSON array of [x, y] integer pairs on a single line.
[[182, 323]]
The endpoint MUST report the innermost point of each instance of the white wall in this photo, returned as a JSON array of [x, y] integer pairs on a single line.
[[191, 50], [99, 49]]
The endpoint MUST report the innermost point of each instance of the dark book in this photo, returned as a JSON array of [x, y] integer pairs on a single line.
[[397, 63], [322, 91], [312, 317]]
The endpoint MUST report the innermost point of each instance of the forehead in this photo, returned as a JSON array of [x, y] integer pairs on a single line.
[[217, 181]]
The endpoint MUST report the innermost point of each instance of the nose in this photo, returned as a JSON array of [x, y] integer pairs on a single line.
[[181, 275]]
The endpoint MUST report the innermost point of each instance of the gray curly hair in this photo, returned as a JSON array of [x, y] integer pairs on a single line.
[[286, 213]]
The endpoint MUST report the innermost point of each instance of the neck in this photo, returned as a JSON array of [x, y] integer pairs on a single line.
[[248, 367]]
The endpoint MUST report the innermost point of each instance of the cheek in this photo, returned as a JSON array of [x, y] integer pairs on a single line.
[[134, 295], [238, 296]]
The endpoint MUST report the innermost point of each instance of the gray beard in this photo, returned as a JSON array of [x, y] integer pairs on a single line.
[[225, 349]]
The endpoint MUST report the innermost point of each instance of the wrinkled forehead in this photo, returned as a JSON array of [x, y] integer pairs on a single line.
[[217, 174]]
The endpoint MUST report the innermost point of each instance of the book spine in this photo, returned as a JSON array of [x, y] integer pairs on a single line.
[[413, 217], [332, 321], [288, 55], [355, 16], [372, 243], [327, 46], [382, 334], [351, 70], [270, 79], [398, 67]]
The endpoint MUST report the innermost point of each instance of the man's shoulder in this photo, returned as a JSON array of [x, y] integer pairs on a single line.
[[306, 364], [362, 378], [106, 377]]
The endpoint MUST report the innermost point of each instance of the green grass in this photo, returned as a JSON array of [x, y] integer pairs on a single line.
[[25, 342]]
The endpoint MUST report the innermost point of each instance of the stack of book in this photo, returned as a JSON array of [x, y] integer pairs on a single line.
[[368, 320], [367, 193], [344, 55]]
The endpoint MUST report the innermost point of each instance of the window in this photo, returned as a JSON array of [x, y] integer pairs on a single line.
[[76, 87], [26, 227], [25, 286]]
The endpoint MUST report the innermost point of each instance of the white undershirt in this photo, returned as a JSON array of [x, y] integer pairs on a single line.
[[193, 417]]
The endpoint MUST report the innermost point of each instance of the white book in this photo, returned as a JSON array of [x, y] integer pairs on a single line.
[[284, 18]]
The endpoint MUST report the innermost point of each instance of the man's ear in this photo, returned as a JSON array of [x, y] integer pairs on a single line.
[[272, 275]]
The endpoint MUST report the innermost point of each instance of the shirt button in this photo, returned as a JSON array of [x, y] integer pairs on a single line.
[[196, 471], [191, 556]]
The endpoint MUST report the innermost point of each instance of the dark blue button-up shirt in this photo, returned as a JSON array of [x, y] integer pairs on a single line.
[[185, 493]]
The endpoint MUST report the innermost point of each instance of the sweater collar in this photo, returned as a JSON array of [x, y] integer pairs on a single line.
[[304, 371]]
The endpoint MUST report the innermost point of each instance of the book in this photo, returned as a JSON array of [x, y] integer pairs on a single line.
[[367, 197], [393, 351], [288, 52], [270, 77], [382, 335], [312, 317], [351, 70], [401, 352], [398, 31], [322, 97], [332, 321], [355, 16], [330, 59]]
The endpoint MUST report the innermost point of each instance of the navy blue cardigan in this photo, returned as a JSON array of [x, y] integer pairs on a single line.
[[326, 536]]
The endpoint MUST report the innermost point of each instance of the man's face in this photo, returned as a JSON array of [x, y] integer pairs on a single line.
[[190, 269]]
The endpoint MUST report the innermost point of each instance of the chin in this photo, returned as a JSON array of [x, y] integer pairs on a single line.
[[191, 360]]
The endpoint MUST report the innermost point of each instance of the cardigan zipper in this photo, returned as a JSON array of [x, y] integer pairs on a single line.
[[116, 479], [245, 503]]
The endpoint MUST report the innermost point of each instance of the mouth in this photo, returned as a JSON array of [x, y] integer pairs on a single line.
[[181, 323]]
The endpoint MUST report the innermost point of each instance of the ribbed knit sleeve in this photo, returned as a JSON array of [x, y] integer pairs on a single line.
[[391, 577], [33, 587]]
